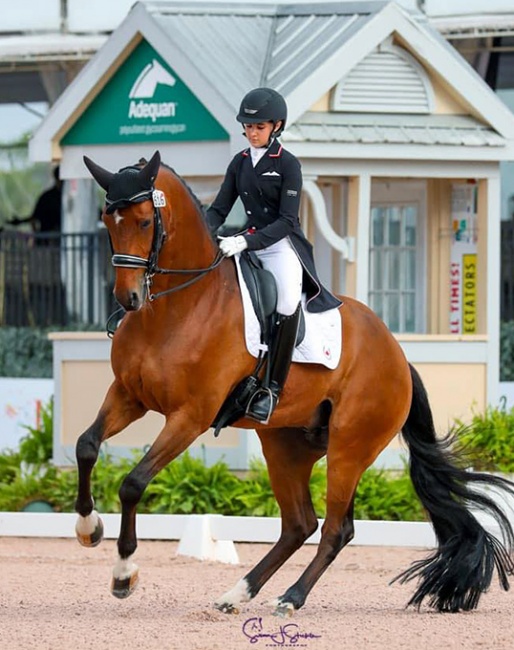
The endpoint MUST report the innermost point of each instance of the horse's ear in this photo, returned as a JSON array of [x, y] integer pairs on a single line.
[[149, 172], [101, 175]]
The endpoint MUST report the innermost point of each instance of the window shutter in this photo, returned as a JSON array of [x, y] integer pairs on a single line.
[[388, 80]]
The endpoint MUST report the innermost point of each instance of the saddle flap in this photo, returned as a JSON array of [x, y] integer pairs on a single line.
[[261, 287]]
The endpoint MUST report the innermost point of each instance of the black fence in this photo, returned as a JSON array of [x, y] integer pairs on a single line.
[[55, 279], [507, 271], [67, 279]]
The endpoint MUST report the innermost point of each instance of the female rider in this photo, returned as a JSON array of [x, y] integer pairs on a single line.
[[268, 179]]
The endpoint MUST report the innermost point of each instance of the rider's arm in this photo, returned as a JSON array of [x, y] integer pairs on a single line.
[[222, 204]]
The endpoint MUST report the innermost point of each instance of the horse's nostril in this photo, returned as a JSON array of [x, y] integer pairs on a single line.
[[130, 300], [134, 300]]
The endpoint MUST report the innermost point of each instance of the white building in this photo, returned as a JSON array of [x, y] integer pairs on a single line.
[[400, 142]]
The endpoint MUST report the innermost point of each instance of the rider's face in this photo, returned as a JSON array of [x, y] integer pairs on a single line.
[[259, 134]]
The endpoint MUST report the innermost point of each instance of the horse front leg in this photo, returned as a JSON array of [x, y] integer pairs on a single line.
[[116, 413], [290, 459], [178, 433]]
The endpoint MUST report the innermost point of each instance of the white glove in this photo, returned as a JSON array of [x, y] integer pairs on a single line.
[[231, 245]]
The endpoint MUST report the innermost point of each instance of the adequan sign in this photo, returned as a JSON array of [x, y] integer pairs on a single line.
[[145, 101]]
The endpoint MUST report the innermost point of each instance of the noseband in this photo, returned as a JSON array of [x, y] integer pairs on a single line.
[[150, 264]]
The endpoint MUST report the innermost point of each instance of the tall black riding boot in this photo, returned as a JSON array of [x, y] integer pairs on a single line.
[[263, 403]]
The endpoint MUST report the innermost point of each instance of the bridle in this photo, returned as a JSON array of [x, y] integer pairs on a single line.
[[150, 264]]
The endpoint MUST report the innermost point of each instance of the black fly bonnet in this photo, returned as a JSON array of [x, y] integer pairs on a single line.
[[131, 185], [135, 184]]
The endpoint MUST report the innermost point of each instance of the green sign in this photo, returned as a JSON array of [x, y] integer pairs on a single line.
[[145, 101]]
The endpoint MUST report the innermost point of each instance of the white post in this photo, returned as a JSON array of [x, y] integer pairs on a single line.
[[363, 234]]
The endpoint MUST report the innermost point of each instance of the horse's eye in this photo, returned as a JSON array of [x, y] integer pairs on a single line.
[[145, 224]]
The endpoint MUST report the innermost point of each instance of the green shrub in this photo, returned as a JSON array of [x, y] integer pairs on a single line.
[[26, 484], [185, 486], [9, 463], [36, 447], [20, 182], [188, 486], [254, 495], [488, 441], [27, 351], [387, 495]]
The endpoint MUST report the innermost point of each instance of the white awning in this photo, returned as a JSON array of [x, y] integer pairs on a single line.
[[48, 47], [478, 25]]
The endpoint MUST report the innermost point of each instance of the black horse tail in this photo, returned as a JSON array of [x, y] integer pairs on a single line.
[[456, 574]]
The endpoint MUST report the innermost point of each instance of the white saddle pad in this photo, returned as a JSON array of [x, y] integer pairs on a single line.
[[322, 341]]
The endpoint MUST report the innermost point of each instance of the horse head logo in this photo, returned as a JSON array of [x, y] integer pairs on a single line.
[[146, 83]]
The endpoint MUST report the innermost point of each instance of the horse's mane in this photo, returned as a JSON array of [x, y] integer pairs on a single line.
[[196, 200]]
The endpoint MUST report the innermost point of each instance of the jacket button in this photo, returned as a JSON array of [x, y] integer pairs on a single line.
[[265, 210], [248, 212], [245, 193]]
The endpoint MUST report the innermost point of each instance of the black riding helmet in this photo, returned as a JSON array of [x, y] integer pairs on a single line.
[[263, 105]]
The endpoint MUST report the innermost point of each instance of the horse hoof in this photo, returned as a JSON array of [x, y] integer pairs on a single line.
[[226, 608], [89, 539], [284, 610], [124, 587]]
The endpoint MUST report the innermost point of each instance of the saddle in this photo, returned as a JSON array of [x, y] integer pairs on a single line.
[[263, 293], [262, 288]]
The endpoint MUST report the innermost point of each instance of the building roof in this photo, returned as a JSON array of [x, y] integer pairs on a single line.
[[222, 50], [260, 44], [453, 130]]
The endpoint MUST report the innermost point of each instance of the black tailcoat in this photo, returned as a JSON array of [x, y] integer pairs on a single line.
[[270, 193]]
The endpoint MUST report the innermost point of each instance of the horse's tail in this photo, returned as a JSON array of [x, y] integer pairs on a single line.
[[455, 575]]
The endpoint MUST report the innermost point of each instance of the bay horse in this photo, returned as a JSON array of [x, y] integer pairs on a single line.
[[180, 350]]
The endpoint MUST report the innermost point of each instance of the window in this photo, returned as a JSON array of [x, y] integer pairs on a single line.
[[397, 264]]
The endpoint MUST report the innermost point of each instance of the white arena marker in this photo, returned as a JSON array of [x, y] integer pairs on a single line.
[[197, 541]]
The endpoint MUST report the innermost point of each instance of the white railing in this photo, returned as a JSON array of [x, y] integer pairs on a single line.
[[212, 537]]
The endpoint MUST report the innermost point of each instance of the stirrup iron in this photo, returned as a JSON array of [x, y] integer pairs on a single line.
[[263, 391]]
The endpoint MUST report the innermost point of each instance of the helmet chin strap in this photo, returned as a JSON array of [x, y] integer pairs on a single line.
[[270, 142], [273, 134]]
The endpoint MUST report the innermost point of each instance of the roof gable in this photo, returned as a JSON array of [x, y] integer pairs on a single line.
[[81, 94], [145, 100], [429, 49], [223, 50], [387, 80]]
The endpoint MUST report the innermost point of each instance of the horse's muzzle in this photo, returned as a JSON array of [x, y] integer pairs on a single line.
[[129, 300]]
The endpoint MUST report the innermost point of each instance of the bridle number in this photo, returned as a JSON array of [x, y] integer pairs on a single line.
[[159, 199]]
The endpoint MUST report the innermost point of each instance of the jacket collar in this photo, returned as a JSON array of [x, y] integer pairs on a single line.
[[268, 160], [274, 151]]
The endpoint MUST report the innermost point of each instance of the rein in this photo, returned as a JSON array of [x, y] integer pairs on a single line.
[[199, 275]]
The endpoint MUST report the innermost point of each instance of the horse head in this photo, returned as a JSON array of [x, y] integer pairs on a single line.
[[149, 211], [134, 221]]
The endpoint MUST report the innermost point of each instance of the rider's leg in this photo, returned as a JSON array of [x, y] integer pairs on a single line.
[[282, 261]]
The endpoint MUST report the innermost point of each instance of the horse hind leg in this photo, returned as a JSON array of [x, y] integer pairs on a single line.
[[350, 453], [116, 413], [286, 451], [337, 531]]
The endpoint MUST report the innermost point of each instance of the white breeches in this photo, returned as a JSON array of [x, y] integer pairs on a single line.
[[281, 260]]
